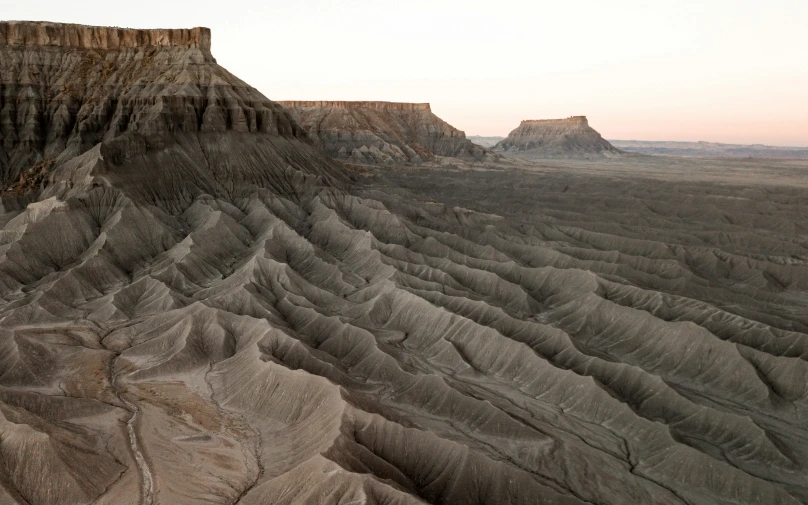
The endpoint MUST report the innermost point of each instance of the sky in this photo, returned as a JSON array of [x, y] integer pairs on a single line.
[[732, 71]]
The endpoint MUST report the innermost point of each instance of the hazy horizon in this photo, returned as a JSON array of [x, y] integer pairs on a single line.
[[714, 71]]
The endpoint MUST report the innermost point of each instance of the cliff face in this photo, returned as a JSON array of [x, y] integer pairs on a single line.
[[67, 88], [570, 137], [382, 132], [33, 34]]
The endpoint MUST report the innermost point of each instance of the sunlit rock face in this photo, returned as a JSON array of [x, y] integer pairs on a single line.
[[199, 306], [551, 138], [383, 132]]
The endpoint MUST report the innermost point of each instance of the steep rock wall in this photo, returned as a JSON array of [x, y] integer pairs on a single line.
[[67, 88]]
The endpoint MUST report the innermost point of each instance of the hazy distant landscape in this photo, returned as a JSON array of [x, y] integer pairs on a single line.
[[484, 141], [709, 149], [687, 149]]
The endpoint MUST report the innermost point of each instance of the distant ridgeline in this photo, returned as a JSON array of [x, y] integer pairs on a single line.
[[572, 120], [711, 149], [382, 132], [570, 137]]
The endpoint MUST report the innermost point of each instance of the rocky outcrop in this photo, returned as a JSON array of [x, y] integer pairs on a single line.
[[382, 132], [33, 34], [65, 89], [570, 137]]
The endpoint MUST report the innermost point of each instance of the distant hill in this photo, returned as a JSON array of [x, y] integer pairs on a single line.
[[710, 149], [556, 138], [484, 141]]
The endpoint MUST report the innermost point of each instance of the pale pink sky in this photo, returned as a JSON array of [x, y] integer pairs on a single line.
[[713, 70]]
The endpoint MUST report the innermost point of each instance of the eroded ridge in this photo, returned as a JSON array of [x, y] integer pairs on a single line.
[[390, 133], [323, 345], [37, 33]]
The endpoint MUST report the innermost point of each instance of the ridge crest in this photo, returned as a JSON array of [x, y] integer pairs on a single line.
[[44, 33]]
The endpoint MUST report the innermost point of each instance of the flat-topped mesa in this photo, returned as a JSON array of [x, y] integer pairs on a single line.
[[403, 106], [572, 120], [65, 89], [551, 138], [382, 132], [32, 33]]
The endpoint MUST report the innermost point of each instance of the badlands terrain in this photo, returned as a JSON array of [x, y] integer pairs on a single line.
[[199, 305]]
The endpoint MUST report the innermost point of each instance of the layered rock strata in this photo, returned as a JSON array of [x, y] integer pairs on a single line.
[[570, 137], [30, 34], [201, 312], [135, 95], [382, 132]]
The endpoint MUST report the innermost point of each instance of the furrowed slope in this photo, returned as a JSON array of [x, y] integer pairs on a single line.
[[273, 335]]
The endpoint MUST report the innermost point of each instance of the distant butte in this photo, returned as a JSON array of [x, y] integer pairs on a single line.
[[382, 132], [551, 138], [28, 33]]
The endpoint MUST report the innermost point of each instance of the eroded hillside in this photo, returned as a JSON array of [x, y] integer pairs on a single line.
[[193, 315], [383, 132], [553, 138]]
